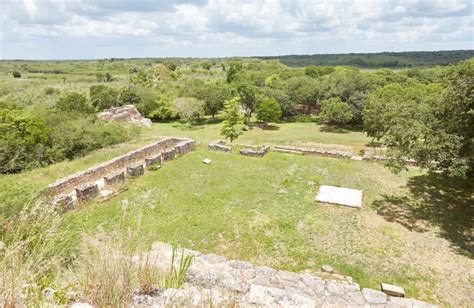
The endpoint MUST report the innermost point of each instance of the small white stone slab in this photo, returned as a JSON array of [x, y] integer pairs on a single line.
[[338, 195], [207, 161]]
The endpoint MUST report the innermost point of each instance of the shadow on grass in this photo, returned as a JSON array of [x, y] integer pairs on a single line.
[[333, 129], [434, 201], [265, 126]]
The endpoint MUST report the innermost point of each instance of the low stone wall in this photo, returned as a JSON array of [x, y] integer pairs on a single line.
[[311, 151], [220, 145], [164, 149], [255, 151]]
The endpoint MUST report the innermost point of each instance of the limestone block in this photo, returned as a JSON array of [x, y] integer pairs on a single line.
[[373, 296], [115, 178], [65, 202], [135, 170], [87, 191], [168, 155], [392, 290], [153, 160]]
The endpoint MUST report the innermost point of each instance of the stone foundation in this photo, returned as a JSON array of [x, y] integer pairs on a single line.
[[87, 191], [311, 151], [115, 178], [156, 160], [79, 186], [220, 145], [135, 170], [255, 151]]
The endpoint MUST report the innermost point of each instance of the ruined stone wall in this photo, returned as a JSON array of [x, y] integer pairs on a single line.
[[171, 144], [315, 152]]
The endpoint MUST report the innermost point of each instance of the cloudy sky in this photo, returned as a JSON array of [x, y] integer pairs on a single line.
[[81, 29]]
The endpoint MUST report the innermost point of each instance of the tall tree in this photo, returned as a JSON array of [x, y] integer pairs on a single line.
[[233, 125], [433, 124]]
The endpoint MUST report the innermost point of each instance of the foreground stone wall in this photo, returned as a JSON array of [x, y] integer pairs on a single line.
[[79, 180], [213, 280]]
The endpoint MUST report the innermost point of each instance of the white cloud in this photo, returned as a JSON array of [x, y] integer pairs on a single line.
[[241, 27]]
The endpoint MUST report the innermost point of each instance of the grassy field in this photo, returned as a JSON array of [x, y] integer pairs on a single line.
[[414, 230]]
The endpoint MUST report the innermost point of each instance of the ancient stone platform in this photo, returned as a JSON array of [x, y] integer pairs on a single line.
[[213, 280], [338, 195]]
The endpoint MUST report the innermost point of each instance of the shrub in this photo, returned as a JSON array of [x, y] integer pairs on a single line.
[[103, 97], [51, 91], [336, 111], [269, 110], [74, 102], [16, 74], [129, 97], [24, 141]]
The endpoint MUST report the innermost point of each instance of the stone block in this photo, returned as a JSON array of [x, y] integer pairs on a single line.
[[64, 202], [135, 170], [153, 160], [219, 145], [115, 178], [168, 155], [392, 290], [338, 195], [87, 191]]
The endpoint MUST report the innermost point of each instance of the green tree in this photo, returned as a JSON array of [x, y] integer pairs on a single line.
[[16, 74], [233, 125], [234, 67], [24, 141], [268, 110], [74, 102], [170, 65], [334, 110], [103, 97], [247, 92], [433, 124], [189, 108], [206, 64], [314, 71], [129, 97]]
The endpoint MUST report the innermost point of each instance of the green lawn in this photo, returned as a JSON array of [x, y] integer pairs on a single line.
[[413, 230]]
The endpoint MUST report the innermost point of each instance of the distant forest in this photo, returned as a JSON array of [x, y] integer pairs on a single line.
[[375, 60]]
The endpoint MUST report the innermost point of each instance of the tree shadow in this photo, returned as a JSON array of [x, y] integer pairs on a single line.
[[266, 126], [333, 129], [435, 202]]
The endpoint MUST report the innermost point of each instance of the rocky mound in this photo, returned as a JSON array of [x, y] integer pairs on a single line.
[[126, 113], [213, 280]]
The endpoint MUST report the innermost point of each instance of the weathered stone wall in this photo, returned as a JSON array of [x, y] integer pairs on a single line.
[[315, 152], [255, 151], [69, 183], [219, 145]]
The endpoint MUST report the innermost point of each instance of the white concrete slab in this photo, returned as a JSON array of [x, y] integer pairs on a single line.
[[339, 195], [207, 161]]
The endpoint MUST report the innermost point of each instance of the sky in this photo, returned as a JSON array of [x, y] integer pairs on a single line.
[[90, 29]]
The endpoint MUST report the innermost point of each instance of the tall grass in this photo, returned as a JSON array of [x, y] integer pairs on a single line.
[[34, 251]]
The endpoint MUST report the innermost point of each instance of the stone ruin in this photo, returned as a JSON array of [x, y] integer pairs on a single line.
[[212, 280], [126, 113], [246, 149], [104, 179]]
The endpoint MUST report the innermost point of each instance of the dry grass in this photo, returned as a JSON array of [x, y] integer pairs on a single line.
[[34, 250]]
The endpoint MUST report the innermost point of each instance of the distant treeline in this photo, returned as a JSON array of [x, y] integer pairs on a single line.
[[376, 60]]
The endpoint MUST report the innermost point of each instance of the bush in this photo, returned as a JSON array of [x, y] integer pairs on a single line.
[[269, 110], [24, 141], [129, 97], [51, 91], [16, 74], [103, 97], [336, 111], [189, 108], [74, 102]]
